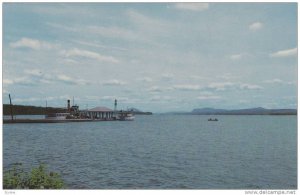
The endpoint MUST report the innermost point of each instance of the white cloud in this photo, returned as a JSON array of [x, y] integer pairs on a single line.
[[32, 44], [148, 25], [220, 86], [24, 81], [113, 98], [69, 80], [89, 54], [285, 53], [167, 76], [37, 76], [209, 97], [32, 99], [192, 6], [94, 44], [145, 79], [187, 87], [25, 42], [278, 81], [196, 77], [245, 86], [236, 56], [155, 89], [7, 81], [158, 98], [114, 82], [273, 81], [34, 72], [256, 26], [232, 86]]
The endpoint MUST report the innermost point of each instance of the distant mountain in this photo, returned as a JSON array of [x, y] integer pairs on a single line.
[[248, 111], [137, 111], [208, 110]]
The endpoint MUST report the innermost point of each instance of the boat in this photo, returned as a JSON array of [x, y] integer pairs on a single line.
[[57, 116], [210, 119], [125, 116]]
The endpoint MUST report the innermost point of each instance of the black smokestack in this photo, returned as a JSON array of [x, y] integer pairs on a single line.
[[69, 107]]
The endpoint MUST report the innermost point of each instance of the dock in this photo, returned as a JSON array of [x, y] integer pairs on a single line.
[[73, 114], [9, 121]]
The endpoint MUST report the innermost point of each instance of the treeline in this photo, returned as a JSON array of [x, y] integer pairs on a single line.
[[29, 110]]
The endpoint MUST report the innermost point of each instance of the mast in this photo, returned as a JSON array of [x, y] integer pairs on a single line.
[[46, 108], [11, 110]]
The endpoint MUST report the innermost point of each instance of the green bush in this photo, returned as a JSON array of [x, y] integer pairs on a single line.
[[38, 178]]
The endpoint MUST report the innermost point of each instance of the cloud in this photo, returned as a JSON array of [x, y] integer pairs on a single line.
[[113, 98], [167, 76], [97, 45], [24, 81], [32, 44], [145, 79], [65, 79], [155, 89], [89, 54], [196, 77], [236, 57], [160, 98], [187, 87], [7, 81], [209, 97], [114, 82], [221, 86], [37, 76], [239, 56], [245, 86], [232, 86], [192, 6], [113, 32], [277, 81], [69, 80], [34, 72], [285, 53], [256, 26], [32, 99]]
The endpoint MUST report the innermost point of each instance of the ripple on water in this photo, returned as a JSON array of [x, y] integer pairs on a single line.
[[161, 151]]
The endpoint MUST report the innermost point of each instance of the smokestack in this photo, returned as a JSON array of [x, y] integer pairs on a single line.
[[115, 105], [69, 107]]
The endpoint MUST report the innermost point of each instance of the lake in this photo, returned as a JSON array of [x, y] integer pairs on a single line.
[[162, 152]]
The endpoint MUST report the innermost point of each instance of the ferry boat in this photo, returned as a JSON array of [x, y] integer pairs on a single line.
[[57, 116], [98, 114], [125, 116]]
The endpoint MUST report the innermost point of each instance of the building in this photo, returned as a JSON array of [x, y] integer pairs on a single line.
[[100, 113]]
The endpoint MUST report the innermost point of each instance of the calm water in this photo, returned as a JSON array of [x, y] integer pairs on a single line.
[[162, 152]]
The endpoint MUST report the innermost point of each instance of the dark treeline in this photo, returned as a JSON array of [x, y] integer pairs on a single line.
[[26, 110]]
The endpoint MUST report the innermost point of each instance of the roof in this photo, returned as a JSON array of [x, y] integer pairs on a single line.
[[100, 109]]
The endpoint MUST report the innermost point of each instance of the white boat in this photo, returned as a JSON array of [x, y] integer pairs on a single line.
[[57, 116], [125, 116], [129, 117]]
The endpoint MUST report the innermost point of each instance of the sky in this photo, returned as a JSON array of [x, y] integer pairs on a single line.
[[157, 57]]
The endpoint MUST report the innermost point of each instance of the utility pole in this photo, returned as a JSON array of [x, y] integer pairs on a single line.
[[46, 108], [11, 111]]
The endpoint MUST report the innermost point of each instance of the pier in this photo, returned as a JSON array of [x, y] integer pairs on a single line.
[[9, 121]]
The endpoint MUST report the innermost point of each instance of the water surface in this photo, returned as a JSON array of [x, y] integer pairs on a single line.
[[162, 152]]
